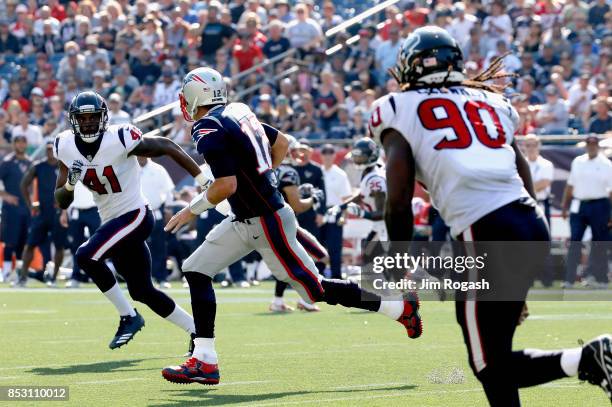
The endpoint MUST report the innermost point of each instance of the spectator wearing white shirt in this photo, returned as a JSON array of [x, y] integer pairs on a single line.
[[337, 191], [553, 116], [304, 32], [498, 25], [157, 187], [511, 61], [167, 90], [461, 25], [31, 132], [589, 189], [580, 96], [115, 114], [542, 173]]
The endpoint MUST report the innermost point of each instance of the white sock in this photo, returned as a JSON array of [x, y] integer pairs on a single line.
[[7, 267], [115, 295], [278, 301], [570, 359], [392, 309], [182, 319], [205, 350]]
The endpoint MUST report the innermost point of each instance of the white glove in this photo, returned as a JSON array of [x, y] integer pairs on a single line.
[[355, 210], [74, 173], [317, 198]]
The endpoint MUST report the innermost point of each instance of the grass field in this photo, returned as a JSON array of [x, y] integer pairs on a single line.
[[335, 357]]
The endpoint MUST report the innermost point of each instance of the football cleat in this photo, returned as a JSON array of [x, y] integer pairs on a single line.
[[410, 318], [192, 371], [191, 347], [128, 326], [596, 363], [281, 308], [73, 284], [304, 306]]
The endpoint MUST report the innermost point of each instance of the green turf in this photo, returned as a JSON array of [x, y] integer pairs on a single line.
[[335, 357]]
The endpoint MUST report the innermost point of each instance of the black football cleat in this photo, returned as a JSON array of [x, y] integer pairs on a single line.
[[128, 326], [596, 363], [410, 318], [193, 371], [191, 347]]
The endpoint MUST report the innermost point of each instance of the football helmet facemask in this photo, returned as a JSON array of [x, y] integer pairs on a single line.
[[365, 153]]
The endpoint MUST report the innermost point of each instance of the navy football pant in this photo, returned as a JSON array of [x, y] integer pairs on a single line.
[[123, 240], [14, 230], [488, 325]]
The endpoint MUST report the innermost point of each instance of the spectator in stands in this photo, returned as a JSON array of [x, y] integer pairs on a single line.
[[120, 84], [115, 114], [277, 43], [215, 34], [9, 43], [497, 25], [602, 121], [246, 54], [32, 133], [329, 19], [265, 111], [166, 91], [462, 23], [386, 54], [6, 128], [597, 11], [587, 198], [579, 99], [146, 66], [586, 54], [553, 115], [57, 112], [37, 116], [16, 95], [100, 84], [304, 33], [73, 64], [284, 114], [342, 128]]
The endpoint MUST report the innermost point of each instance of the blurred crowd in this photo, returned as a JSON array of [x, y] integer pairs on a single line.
[[320, 86]]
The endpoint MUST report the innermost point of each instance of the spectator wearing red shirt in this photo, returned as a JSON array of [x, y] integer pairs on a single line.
[[394, 19], [57, 10], [252, 29], [15, 94], [47, 84], [246, 54]]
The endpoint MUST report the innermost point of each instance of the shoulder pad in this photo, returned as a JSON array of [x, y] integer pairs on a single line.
[[383, 114]]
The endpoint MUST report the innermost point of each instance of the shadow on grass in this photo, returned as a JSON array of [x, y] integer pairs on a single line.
[[98, 367], [207, 396]]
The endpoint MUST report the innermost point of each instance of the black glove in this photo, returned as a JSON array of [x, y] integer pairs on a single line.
[[74, 173], [317, 198], [306, 190]]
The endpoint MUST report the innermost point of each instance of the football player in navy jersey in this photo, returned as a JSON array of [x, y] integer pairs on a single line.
[[242, 154]]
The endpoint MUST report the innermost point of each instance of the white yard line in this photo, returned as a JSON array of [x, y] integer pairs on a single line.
[[246, 382], [362, 386], [112, 381]]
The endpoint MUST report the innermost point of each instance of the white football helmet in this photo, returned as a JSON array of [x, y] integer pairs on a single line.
[[201, 87]]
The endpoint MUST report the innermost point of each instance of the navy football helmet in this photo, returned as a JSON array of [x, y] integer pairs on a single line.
[[430, 55], [365, 153], [88, 116]]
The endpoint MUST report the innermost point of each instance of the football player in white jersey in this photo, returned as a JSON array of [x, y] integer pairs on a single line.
[[103, 158], [372, 188], [455, 135]]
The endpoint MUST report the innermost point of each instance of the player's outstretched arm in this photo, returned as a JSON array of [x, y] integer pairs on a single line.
[[400, 186], [523, 169], [64, 192], [157, 146]]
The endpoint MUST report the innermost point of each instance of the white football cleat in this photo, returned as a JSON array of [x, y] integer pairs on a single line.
[[304, 306], [281, 308]]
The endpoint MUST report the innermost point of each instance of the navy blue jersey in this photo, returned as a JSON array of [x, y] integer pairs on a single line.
[[12, 170], [234, 143], [46, 174]]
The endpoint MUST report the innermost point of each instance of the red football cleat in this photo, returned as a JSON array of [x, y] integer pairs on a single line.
[[410, 318], [193, 371]]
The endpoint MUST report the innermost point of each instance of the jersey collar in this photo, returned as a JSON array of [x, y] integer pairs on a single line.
[[213, 109]]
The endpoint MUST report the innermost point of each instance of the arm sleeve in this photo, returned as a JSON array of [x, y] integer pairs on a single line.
[[130, 136], [271, 133]]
